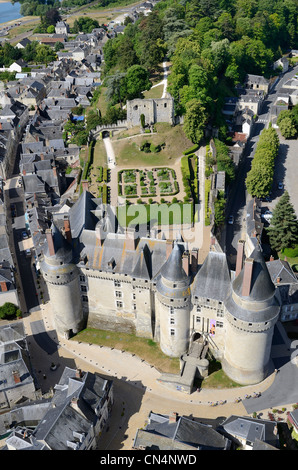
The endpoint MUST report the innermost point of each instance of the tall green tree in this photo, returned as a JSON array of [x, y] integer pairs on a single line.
[[283, 230], [137, 81], [194, 121]]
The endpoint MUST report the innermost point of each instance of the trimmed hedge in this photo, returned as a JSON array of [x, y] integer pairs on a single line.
[[192, 149]]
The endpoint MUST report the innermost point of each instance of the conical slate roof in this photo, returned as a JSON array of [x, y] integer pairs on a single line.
[[261, 304], [172, 269], [262, 286]]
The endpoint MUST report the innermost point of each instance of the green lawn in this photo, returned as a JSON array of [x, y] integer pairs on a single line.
[[217, 378], [128, 153], [155, 92], [172, 214]]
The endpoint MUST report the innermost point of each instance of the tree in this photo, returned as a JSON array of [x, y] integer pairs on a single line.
[[137, 81], [283, 230], [8, 310], [51, 29], [93, 120], [259, 180], [194, 121], [116, 88], [287, 128], [44, 54], [85, 24], [58, 46]]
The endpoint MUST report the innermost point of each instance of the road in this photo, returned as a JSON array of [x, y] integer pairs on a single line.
[[238, 196]]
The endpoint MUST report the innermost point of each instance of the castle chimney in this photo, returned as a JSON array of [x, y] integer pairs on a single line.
[[240, 254], [50, 241], [173, 417], [185, 262], [85, 185], [16, 376], [67, 230], [194, 260], [130, 239], [246, 284], [271, 258], [169, 247], [78, 374]]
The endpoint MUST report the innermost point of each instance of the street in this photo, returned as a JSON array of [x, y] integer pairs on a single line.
[[285, 171]]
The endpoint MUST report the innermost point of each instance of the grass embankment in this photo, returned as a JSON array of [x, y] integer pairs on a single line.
[[129, 155], [217, 378], [291, 254], [144, 348]]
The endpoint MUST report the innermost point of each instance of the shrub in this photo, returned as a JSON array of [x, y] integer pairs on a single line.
[[291, 252], [192, 149]]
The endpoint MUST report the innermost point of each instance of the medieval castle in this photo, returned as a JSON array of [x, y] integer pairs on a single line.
[[102, 276]]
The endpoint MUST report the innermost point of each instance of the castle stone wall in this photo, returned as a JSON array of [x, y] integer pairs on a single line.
[[154, 110]]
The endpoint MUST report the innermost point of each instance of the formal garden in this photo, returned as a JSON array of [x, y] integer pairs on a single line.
[[152, 183]]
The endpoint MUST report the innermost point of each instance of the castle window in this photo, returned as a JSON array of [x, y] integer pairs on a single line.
[[165, 105], [198, 308], [118, 294], [198, 319], [133, 296], [172, 321], [84, 298], [172, 332], [172, 311], [134, 306], [219, 324], [119, 304], [82, 278], [117, 283], [83, 288]]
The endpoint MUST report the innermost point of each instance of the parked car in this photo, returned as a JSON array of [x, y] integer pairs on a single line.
[[24, 235], [267, 216], [280, 185], [231, 220]]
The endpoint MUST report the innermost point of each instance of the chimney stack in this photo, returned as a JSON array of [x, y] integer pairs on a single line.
[[50, 241], [194, 260], [185, 262], [16, 376], [67, 230], [3, 286], [78, 374], [246, 284], [169, 247], [173, 417], [130, 239], [85, 185], [240, 255]]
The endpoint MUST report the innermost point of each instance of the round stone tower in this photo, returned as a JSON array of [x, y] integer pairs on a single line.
[[252, 310], [62, 278], [173, 305]]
